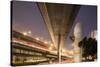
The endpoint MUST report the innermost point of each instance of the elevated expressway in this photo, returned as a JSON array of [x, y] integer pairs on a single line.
[[26, 50], [59, 19]]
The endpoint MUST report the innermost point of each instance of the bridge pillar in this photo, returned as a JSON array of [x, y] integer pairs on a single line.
[[61, 39]]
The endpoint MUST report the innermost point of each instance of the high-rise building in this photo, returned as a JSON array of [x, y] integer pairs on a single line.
[[93, 34], [77, 35]]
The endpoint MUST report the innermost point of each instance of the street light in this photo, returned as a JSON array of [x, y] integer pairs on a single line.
[[37, 38], [51, 47], [29, 32], [25, 33], [45, 42], [63, 50]]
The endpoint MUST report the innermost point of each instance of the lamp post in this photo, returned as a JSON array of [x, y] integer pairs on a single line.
[[28, 33]]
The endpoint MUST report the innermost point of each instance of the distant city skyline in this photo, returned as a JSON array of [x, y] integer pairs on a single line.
[[27, 17]]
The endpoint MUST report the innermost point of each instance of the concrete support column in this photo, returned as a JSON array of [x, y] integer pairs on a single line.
[[60, 45], [59, 48]]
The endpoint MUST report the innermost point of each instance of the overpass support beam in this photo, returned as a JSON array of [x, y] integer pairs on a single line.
[[61, 39]]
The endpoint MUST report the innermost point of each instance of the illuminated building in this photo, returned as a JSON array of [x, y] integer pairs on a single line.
[[77, 35], [93, 34], [26, 50]]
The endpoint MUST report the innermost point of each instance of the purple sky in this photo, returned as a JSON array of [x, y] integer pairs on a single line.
[[87, 16], [26, 16]]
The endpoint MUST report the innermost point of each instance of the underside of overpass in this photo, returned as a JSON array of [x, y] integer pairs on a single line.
[[59, 19]]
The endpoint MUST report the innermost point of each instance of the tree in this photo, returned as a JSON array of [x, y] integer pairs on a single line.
[[89, 47]]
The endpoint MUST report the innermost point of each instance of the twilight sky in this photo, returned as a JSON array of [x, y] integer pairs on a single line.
[[26, 16]]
